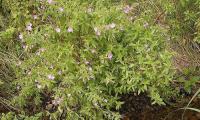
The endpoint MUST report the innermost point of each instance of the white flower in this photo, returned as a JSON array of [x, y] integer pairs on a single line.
[[93, 50], [96, 104], [68, 95], [20, 36], [97, 32], [39, 86], [29, 73], [90, 69], [90, 10], [51, 77], [42, 7], [58, 30], [36, 81], [18, 87], [112, 25], [61, 9], [57, 101], [95, 29]]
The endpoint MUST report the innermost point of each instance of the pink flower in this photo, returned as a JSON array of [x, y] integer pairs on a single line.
[[110, 56], [97, 32], [35, 17], [61, 9], [24, 46], [58, 30], [50, 1], [70, 29], [87, 62], [51, 77], [29, 27], [127, 9]]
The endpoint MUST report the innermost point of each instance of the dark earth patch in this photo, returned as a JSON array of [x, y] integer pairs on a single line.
[[140, 108]]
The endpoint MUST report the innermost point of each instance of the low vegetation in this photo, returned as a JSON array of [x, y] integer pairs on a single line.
[[73, 59]]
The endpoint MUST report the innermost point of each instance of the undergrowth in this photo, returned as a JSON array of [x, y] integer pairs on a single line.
[[72, 59]]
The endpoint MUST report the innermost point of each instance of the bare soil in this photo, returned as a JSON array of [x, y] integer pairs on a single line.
[[140, 108]]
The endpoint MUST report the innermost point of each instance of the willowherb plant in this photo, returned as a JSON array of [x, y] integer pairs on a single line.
[[77, 56]]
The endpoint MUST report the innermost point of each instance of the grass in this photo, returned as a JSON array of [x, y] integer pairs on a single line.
[[189, 108], [7, 76]]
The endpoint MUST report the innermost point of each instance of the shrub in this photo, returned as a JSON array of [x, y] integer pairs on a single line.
[[76, 57]]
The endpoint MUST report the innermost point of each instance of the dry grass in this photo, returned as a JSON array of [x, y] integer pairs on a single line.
[[7, 76]]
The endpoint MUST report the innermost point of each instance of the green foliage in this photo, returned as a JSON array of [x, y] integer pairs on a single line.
[[76, 57], [189, 78], [183, 19]]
